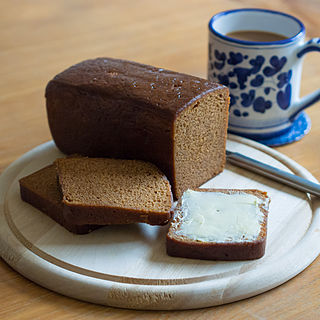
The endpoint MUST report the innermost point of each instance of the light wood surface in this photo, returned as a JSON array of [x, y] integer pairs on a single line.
[[127, 266], [40, 38]]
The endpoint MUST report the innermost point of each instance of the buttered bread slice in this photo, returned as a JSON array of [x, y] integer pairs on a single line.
[[219, 224]]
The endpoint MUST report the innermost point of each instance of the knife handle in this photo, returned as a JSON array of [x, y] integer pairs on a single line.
[[273, 173]]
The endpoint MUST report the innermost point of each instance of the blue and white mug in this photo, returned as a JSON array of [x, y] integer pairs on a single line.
[[263, 77]]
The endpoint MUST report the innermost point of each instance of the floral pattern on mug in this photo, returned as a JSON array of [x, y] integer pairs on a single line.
[[262, 74]]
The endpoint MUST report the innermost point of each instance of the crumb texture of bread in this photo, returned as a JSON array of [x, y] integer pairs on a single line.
[[219, 224], [40, 189], [113, 191], [199, 142], [121, 109]]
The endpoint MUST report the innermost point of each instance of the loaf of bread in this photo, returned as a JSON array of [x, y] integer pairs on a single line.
[[219, 224], [121, 109], [40, 189], [112, 191]]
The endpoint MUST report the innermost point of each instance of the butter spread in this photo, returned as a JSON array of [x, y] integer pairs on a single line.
[[220, 217]]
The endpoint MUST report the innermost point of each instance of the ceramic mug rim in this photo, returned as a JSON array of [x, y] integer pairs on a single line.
[[294, 38]]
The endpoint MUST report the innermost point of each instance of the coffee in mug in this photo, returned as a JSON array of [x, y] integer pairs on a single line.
[[256, 35]]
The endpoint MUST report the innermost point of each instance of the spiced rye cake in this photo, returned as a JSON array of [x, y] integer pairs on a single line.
[[82, 194], [121, 109]]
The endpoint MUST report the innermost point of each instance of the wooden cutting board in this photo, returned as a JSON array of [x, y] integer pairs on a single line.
[[127, 266]]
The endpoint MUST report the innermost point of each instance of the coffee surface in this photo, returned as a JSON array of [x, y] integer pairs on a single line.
[[255, 35]]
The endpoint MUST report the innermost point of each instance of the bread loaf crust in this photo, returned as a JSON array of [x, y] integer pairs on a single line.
[[179, 246], [110, 216], [120, 109]]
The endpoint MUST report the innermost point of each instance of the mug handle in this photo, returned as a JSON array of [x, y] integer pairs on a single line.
[[308, 100]]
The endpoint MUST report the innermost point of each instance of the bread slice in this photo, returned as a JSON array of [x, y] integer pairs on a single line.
[[40, 189], [112, 191], [219, 224]]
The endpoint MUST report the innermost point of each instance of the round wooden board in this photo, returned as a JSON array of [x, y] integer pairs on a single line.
[[127, 266]]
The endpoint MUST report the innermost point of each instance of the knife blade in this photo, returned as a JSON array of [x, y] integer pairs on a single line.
[[273, 173]]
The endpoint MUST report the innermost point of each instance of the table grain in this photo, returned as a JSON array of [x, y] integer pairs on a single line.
[[40, 38]]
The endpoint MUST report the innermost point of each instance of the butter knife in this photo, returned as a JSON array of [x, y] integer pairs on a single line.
[[271, 172]]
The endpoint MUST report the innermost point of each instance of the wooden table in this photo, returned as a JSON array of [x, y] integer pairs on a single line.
[[40, 38]]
